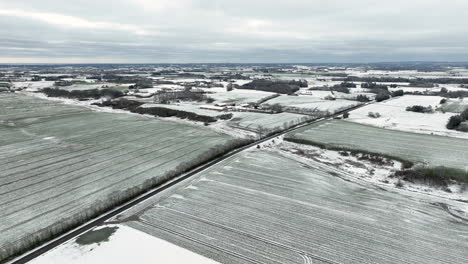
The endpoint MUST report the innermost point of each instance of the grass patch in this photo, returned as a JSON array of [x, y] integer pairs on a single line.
[[120, 88], [368, 154]]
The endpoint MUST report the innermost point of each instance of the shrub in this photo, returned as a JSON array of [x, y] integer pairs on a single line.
[[443, 101], [436, 176], [382, 97], [397, 93], [454, 122], [362, 98], [419, 109], [345, 115], [373, 114], [340, 88]]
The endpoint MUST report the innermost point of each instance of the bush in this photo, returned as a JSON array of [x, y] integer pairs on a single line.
[[340, 88], [443, 101], [397, 93], [362, 98], [345, 115], [437, 176], [382, 97], [419, 109], [373, 114], [454, 122]]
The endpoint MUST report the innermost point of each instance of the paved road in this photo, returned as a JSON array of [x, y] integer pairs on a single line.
[[104, 217]]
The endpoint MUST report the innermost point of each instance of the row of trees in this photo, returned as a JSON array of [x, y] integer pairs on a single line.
[[83, 94], [166, 97], [135, 107], [278, 86]]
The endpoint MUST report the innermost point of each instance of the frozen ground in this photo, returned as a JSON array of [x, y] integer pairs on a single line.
[[125, 245], [239, 96], [263, 123], [309, 103], [394, 116], [33, 86], [60, 162], [368, 171], [265, 207], [430, 150]]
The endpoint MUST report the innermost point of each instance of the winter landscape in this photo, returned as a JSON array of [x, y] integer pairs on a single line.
[[202, 131], [337, 164]]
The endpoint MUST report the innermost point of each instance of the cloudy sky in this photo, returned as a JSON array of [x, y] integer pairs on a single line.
[[106, 31]]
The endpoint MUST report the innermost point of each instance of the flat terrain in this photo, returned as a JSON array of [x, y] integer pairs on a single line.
[[61, 163], [193, 108], [268, 122], [113, 247], [263, 207], [238, 96], [309, 103], [393, 115], [434, 150]]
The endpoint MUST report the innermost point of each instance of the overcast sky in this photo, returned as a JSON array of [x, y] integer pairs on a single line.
[[179, 31]]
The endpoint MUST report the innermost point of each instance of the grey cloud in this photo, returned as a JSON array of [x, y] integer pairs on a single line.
[[234, 31]]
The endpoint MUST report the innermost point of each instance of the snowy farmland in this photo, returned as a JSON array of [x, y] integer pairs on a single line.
[[308, 104], [393, 115], [238, 96], [420, 148], [115, 249], [61, 164], [267, 122], [263, 207]]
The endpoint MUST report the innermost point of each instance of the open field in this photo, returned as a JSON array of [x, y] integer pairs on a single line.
[[193, 108], [393, 115], [419, 148], [263, 207], [259, 122], [307, 103], [61, 164], [239, 96], [113, 247]]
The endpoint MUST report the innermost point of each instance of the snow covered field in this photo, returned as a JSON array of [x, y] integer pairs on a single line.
[[309, 103], [265, 207], [259, 122], [419, 148], [125, 245], [394, 116], [240, 96], [61, 163]]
